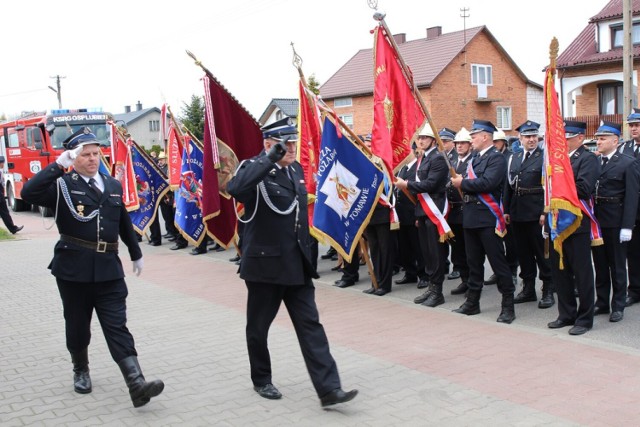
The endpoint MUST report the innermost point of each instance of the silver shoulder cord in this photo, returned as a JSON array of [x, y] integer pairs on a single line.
[[263, 190]]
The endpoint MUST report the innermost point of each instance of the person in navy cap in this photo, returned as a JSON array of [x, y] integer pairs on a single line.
[[524, 210], [483, 221], [616, 208], [91, 216], [576, 249], [4, 211], [447, 136], [632, 148], [276, 263]]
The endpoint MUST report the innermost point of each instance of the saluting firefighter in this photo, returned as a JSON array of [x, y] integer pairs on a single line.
[[616, 207], [91, 217], [276, 263], [524, 210]]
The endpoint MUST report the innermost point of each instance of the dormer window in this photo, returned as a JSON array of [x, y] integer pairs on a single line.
[[617, 35]]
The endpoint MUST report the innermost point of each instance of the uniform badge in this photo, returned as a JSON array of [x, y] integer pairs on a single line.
[[80, 210], [74, 176], [272, 172]]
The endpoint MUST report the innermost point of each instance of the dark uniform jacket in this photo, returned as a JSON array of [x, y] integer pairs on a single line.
[[433, 174], [616, 193], [628, 148], [70, 261], [524, 195], [276, 248], [453, 195], [586, 168], [490, 170], [404, 207]]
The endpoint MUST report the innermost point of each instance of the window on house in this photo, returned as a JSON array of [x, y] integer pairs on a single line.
[[279, 115], [348, 120], [154, 125], [503, 119], [481, 75], [342, 102], [610, 98], [617, 35]]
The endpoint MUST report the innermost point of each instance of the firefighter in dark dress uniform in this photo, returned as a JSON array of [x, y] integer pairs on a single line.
[[524, 210], [90, 217], [458, 251], [616, 206], [482, 220], [576, 249], [632, 148], [430, 185], [276, 263]]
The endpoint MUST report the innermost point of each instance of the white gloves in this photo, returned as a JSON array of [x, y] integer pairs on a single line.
[[625, 235], [137, 266], [545, 235], [67, 157]]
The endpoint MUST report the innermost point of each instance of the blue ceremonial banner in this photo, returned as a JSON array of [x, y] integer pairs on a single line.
[[151, 185], [349, 185], [189, 195]]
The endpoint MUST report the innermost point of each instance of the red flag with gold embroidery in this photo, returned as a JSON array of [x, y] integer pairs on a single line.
[[309, 142], [174, 156], [397, 113], [561, 196], [123, 169]]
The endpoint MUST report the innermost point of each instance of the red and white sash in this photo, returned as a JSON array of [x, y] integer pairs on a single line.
[[437, 217]]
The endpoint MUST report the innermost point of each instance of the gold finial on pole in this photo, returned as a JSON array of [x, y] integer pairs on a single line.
[[553, 53]]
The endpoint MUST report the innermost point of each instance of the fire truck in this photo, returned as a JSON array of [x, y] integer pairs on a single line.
[[33, 141]]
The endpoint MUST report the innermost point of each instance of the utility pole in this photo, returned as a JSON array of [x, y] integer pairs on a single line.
[[464, 14], [627, 65], [58, 91]]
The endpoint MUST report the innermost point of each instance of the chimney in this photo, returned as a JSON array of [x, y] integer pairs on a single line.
[[127, 109], [434, 32], [400, 38], [138, 106]]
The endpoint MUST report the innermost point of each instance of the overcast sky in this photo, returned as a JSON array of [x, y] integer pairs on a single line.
[[117, 53]]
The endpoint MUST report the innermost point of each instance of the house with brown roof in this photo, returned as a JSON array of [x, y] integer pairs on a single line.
[[460, 75], [590, 68]]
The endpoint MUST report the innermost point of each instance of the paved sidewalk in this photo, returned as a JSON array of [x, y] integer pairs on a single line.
[[412, 365]]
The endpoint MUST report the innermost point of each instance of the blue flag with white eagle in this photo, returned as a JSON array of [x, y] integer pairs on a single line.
[[151, 186], [188, 196], [349, 185]]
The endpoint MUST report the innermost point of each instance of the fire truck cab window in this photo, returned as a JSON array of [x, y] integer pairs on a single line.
[[13, 139]]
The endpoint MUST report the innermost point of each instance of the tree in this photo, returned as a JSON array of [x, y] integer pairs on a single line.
[[192, 116], [313, 84]]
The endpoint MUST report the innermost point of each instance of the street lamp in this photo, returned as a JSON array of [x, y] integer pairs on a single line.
[[57, 93]]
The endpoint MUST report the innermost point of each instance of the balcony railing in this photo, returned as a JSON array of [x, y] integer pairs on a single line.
[[593, 122]]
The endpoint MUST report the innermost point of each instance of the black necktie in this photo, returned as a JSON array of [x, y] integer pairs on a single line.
[[636, 151], [526, 156], [604, 161], [94, 186]]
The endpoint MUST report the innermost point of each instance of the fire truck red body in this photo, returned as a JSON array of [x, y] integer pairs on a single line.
[[31, 142]]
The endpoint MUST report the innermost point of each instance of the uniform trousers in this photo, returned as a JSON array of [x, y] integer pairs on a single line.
[[263, 302], [578, 274], [530, 250], [168, 214], [633, 266], [484, 241], [382, 253], [79, 299], [434, 252], [610, 262], [510, 249], [410, 253], [5, 215], [459, 252]]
